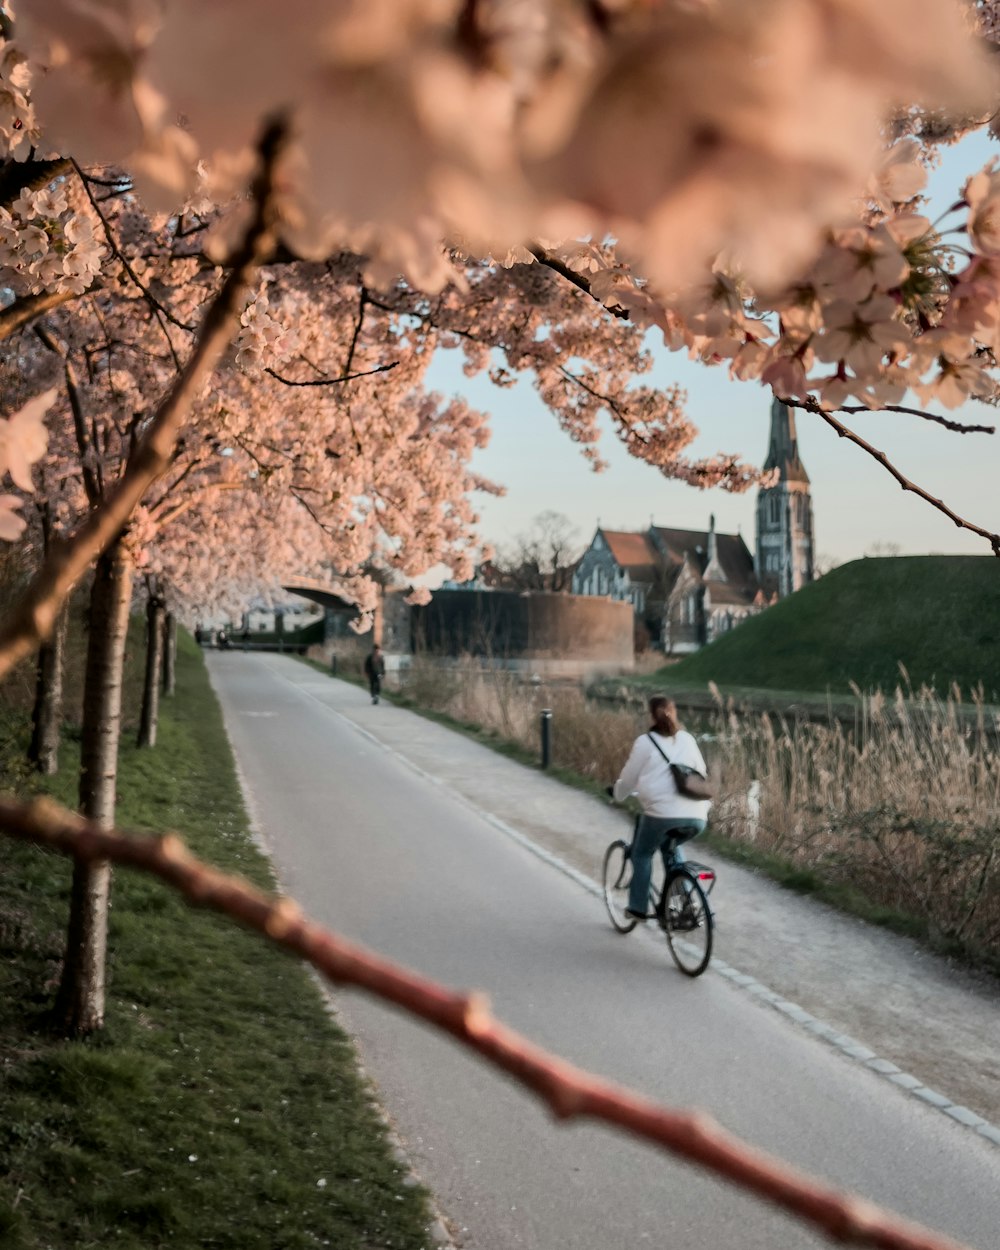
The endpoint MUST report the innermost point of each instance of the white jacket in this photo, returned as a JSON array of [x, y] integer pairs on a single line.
[[647, 775]]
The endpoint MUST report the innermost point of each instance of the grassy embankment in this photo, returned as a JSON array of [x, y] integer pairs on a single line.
[[937, 616], [221, 1106]]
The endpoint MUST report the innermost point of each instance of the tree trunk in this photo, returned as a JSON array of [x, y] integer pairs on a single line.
[[46, 717], [149, 716], [80, 1002], [170, 654]]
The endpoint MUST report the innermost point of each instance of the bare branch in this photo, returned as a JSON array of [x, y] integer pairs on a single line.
[[957, 426], [362, 301], [347, 377], [568, 1091], [883, 459], [36, 611]]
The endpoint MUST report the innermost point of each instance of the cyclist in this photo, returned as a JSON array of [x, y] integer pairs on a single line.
[[668, 817]]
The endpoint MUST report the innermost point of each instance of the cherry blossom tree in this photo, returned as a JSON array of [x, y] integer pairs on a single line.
[[385, 487], [737, 158], [537, 183], [734, 156]]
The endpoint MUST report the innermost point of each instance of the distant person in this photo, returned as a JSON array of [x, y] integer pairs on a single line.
[[375, 671], [668, 817], [222, 640]]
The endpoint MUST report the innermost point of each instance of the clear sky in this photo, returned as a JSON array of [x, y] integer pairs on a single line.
[[856, 504]]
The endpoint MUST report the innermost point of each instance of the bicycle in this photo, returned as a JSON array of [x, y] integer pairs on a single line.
[[680, 907]]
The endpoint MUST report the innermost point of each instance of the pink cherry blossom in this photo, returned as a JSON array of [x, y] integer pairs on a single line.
[[860, 335], [982, 194], [23, 439], [12, 526]]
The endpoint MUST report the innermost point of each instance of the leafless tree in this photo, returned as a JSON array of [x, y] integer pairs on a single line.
[[542, 557]]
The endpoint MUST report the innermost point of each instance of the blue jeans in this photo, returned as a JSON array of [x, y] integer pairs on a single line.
[[657, 833]]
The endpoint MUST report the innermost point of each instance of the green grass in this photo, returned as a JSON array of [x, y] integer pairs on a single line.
[[939, 616], [220, 1106]]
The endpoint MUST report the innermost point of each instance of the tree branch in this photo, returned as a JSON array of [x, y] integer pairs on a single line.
[[347, 377], [160, 310], [918, 412], [30, 175], [35, 613], [362, 301], [84, 444], [578, 280], [23, 311], [844, 432], [568, 1091], [191, 500]]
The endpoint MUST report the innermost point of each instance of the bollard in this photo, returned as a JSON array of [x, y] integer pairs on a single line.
[[333, 663], [546, 736]]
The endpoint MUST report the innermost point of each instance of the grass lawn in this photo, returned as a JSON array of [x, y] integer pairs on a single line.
[[221, 1106]]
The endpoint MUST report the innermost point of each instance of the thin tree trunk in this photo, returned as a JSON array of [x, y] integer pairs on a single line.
[[46, 717], [170, 654], [154, 664], [80, 1002]]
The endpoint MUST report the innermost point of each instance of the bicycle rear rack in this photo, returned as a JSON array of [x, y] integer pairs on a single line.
[[704, 875]]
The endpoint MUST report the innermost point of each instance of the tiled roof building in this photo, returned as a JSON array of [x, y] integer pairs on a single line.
[[689, 586]]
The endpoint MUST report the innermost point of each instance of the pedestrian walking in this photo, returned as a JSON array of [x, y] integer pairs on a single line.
[[375, 671]]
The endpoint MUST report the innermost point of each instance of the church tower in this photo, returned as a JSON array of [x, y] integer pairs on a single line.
[[784, 557]]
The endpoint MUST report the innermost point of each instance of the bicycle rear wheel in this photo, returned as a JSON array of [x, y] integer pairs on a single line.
[[617, 876], [687, 921]]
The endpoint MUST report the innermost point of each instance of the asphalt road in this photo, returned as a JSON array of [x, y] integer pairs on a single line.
[[394, 859]]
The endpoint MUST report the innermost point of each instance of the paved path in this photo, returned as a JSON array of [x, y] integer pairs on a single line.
[[387, 827]]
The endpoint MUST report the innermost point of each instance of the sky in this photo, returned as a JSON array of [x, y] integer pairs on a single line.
[[857, 506]]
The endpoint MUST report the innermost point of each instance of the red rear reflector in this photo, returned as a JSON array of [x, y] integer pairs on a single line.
[[706, 876]]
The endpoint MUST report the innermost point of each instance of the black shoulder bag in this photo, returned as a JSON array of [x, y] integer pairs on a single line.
[[688, 781]]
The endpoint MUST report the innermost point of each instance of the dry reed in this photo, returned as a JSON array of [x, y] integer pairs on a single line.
[[903, 806]]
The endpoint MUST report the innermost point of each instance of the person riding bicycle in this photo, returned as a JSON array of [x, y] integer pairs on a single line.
[[668, 817]]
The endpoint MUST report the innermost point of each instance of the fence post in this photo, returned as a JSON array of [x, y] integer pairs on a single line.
[[546, 726]]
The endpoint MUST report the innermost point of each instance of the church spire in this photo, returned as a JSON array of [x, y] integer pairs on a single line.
[[783, 451], [713, 568], [784, 554]]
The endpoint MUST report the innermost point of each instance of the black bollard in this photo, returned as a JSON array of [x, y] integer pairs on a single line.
[[546, 736], [333, 663]]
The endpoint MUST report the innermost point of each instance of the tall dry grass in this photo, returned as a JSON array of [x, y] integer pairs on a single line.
[[903, 806], [586, 739]]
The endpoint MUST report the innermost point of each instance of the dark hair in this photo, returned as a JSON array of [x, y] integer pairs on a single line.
[[664, 715]]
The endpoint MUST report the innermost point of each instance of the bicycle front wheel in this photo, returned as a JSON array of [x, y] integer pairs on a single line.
[[617, 875], [687, 920]]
